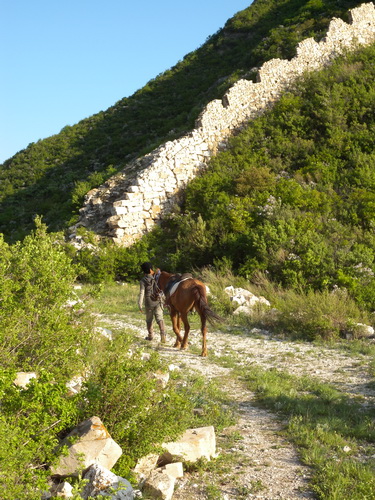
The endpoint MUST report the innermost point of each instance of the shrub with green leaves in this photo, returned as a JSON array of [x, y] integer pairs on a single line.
[[30, 422], [39, 328], [124, 390], [104, 262], [315, 315], [40, 331]]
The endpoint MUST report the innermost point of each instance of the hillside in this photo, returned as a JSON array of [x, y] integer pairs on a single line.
[[293, 196], [51, 176], [279, 227], [129, 204]]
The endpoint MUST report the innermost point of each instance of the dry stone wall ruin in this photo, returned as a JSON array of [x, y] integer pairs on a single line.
[[132, 202]]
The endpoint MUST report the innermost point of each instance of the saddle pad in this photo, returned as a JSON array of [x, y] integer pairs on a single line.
[[175, 286]]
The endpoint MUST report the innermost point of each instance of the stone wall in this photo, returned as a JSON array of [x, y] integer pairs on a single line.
[[131, 203]]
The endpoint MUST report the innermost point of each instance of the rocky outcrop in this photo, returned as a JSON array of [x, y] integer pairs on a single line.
[[132, 202], [245, 300]]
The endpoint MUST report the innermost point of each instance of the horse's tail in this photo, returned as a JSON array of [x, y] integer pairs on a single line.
[[202, 307]]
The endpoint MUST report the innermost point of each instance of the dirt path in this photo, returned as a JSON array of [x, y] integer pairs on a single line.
[[265, 465]]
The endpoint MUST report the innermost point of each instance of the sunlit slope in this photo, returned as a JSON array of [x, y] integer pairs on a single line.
[[293, 196], [50, 177]]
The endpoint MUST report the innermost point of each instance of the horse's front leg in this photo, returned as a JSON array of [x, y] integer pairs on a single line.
[[175, 317], [185, 321]]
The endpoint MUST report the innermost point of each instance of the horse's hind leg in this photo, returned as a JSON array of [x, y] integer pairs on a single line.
[[204, 336], [175, 317], [185, 321]]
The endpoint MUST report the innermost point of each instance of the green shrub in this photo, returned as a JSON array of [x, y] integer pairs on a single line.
[[104, 261], [30, 422], [134, 407], [40, 332], [314, 315], [38, 327]]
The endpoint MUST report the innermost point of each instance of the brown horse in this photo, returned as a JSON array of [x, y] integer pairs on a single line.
[[190, 294]]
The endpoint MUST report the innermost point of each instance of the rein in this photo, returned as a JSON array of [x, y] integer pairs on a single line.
[[156, 278]]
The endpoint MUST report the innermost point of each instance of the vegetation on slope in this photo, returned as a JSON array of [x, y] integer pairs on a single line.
[[50, 177], [294, 195]]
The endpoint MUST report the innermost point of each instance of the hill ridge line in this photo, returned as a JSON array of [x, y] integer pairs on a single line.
[[129, 204]]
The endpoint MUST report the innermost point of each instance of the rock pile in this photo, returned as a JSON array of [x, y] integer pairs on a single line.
[[246, 300], [91, 449]]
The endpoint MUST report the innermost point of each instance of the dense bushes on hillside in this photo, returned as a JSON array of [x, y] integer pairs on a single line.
[[51, 176], [294, 195]]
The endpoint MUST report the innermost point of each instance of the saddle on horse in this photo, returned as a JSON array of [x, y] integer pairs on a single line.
[[173, 283]]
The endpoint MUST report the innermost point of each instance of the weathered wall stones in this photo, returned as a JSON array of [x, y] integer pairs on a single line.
[[132, 202]]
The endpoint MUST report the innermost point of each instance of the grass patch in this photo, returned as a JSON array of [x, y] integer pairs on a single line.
[[114, 298], [334, 433]]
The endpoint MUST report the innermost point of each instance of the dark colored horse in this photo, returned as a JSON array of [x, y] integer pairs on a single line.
[[190, 294]]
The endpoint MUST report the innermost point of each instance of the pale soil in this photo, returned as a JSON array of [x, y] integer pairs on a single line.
[[265, 465]]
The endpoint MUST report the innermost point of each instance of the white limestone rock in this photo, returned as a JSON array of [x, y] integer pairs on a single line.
[[145, 466], [244, 309], [23, 379], [103, 482], [363, 331], [175, 469], [105, 332], [193, 444], [161, 378], [159, 484], [89, 443], [74, 385], [245, 299], [62, 490]]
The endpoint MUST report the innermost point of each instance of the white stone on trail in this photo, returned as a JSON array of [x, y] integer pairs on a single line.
[[193, 445]]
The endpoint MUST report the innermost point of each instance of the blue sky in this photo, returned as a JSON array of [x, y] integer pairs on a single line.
[[63, 61]]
